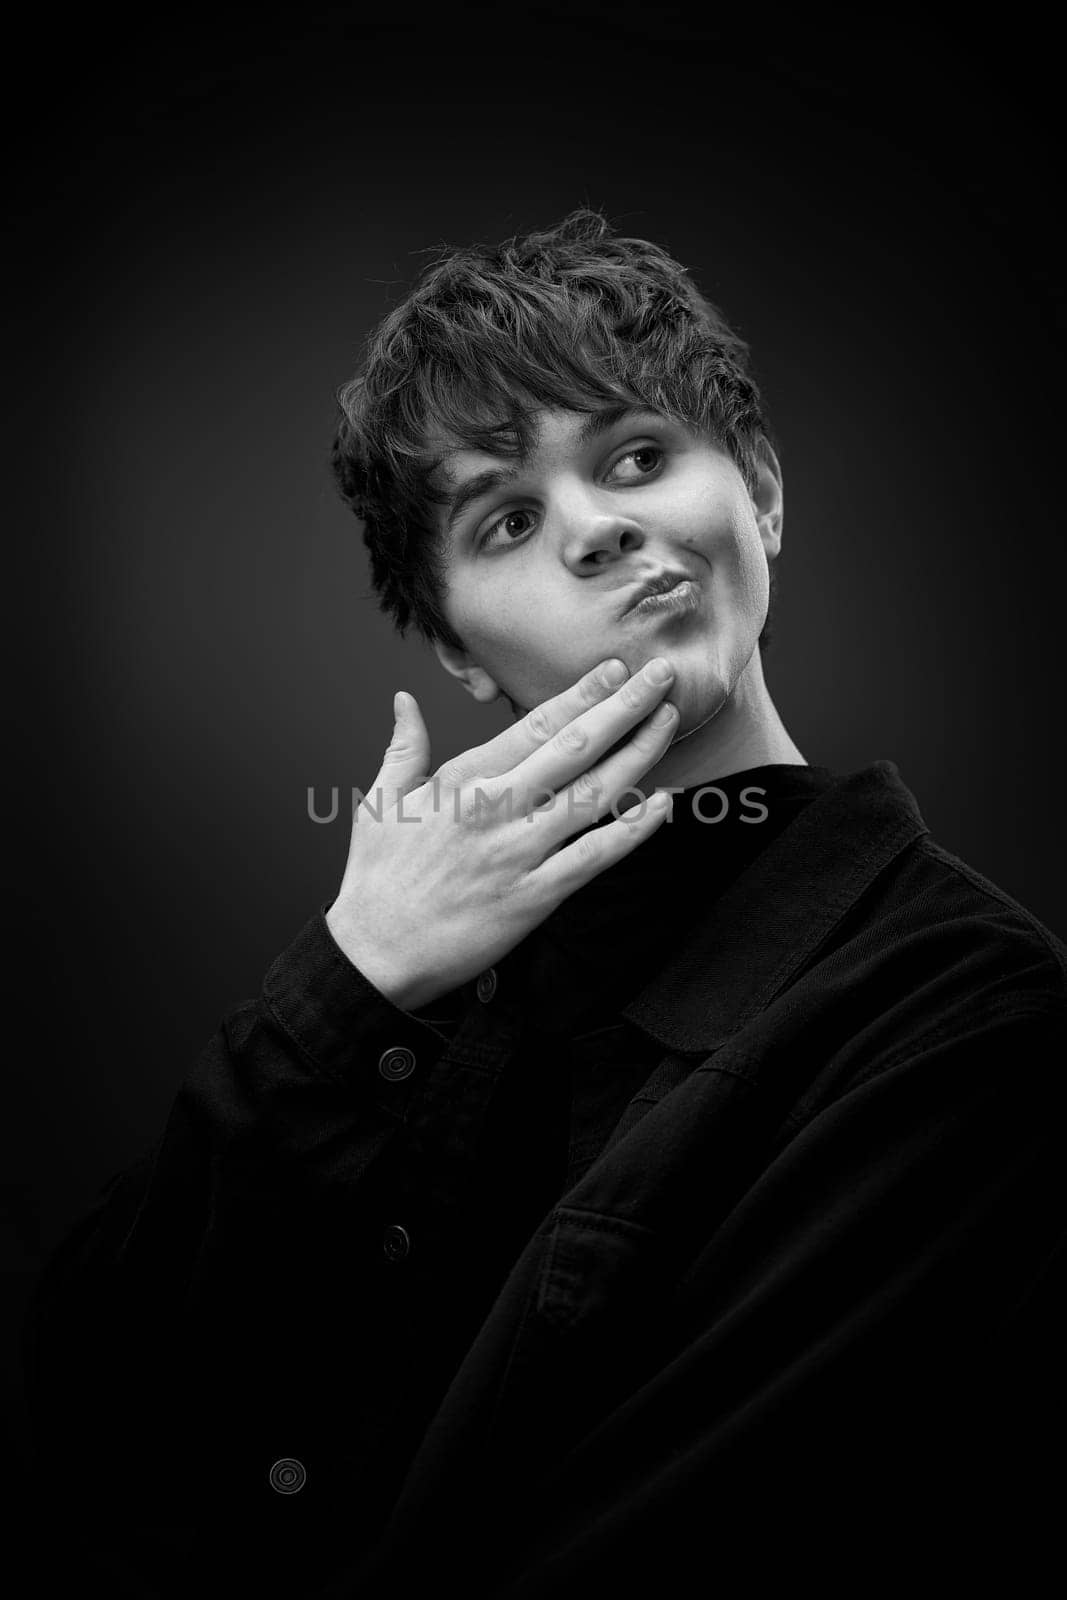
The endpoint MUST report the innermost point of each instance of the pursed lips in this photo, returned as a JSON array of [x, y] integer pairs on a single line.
[[663, 584]]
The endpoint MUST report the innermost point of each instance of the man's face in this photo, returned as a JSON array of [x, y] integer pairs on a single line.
[[543, 561]]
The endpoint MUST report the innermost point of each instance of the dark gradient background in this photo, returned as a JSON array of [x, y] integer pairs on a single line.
[[208, 219]]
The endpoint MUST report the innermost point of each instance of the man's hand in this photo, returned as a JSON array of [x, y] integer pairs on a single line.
[[446, 874]]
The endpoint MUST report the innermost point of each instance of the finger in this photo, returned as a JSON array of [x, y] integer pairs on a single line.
[[593, 793], [407, 757], [566, 870], [573, 750], [536, 728]]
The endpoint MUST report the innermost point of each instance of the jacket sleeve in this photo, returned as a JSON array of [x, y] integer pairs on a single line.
[[227, 1305], [859, 1381]]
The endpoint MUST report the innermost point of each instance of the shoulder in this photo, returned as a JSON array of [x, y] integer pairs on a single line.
[[932, 912], [938, 970], [973, 892]]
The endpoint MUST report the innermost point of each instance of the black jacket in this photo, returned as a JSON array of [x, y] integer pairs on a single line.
[[799, 1319]]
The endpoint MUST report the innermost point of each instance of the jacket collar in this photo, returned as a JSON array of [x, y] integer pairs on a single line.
[[766, 925]]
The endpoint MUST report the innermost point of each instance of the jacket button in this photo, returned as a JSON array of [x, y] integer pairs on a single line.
[[397, 1063], [395, 1242], [486, 986], [288, 1476]]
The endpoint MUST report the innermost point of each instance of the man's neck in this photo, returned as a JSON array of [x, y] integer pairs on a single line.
[[745, 732]]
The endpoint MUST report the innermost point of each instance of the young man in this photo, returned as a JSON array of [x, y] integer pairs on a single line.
[[599, 1194]]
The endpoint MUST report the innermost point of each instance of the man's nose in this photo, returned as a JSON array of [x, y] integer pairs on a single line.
[[593, 536]]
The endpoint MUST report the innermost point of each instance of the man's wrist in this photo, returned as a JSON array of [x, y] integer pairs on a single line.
[[394, 986]]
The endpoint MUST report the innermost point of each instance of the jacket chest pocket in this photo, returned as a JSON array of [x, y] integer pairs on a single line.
[[593, 1268]]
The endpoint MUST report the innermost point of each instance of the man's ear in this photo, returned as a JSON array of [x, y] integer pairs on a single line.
[[474, 678], [767, 498]]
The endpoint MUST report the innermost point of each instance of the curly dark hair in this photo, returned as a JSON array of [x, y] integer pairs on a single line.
[[575, 318]]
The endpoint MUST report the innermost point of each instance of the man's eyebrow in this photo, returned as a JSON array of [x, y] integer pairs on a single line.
[[475, 488], [483, 483], [603, 421]]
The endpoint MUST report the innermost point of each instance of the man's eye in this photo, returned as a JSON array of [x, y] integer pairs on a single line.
[[511, 527], [637, 464]]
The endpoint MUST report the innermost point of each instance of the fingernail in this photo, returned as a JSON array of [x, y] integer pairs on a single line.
[[398, 702], [662, 715], [613, 672], [659, 670]]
